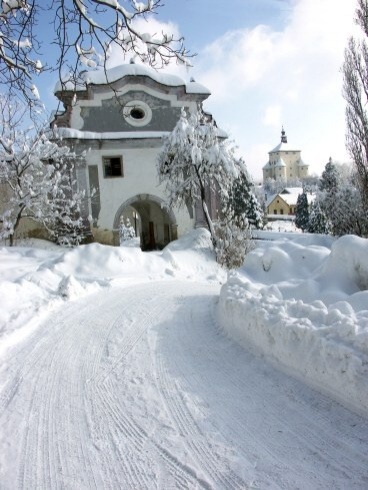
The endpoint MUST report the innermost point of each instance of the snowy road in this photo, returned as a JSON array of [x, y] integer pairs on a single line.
[[137, 389]]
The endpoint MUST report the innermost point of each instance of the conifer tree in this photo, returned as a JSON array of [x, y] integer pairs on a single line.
[[302, 212], [318, 221], [330, 178], [243, 204]]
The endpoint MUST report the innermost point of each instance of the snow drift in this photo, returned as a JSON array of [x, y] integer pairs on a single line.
[[40, 276], [306, 308]]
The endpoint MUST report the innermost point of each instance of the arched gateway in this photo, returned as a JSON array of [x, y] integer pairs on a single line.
[[154, 223], [117, 119]]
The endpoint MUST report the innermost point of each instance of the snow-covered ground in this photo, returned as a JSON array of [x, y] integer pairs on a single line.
[[114, 372], [303, 303], [39, 276]]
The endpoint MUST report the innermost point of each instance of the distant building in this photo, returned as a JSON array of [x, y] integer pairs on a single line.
[[285, 162], [284, 203]]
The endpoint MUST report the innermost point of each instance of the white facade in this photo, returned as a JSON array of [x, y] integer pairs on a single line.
[[285, 162], [119, 122]]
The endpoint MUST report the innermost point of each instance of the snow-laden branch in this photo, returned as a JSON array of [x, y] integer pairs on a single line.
[[84, 33]]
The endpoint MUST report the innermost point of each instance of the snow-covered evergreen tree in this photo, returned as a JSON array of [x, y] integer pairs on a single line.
[[330, 177], [318, 221], [346, 211], [126, 231], [36, 177], [302, 212], [243, 204]]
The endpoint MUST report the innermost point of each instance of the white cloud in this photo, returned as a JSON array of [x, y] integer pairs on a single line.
[[259, 76], [262, 78], [272, 116]]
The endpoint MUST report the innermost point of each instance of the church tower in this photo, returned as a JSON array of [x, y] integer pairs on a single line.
[[285, 162]]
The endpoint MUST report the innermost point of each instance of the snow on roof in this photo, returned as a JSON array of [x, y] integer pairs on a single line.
[[280, 163], [100, 77], [283, 147], [291, 196], [70, 133], [270, 199], [292, 190], [302, 163], [290, 199]]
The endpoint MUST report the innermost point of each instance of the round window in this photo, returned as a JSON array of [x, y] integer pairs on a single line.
[[137, 113]]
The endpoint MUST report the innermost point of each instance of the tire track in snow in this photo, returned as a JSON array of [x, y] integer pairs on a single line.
[[197, 442], [135, 435], [82, 422], [319, 443]]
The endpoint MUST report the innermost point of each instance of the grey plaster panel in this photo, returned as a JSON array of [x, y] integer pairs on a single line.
[[85, 145], [109, 117], [94, 190]]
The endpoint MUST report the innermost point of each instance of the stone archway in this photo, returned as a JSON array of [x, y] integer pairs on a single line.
[[155, 224]]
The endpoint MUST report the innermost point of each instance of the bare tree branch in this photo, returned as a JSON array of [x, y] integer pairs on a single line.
[[85, 32], [355, 92]]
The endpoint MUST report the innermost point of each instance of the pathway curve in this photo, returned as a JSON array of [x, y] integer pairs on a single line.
[[136, 388]]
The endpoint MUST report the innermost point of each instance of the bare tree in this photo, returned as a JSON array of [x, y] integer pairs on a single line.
[[355, 91], [84, 33]]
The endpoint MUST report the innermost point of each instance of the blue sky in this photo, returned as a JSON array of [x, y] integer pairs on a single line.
[[267, 63]]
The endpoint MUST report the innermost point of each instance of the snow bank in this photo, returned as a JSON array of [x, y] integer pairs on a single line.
[[305, 307], [38, 278]]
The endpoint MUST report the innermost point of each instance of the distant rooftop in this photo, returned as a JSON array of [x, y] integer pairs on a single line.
[[283, 145]]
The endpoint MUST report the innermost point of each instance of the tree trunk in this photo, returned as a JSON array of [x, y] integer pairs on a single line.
[[205, 209], [16, 224]]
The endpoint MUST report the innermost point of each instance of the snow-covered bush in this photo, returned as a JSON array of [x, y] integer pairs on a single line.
[[232, 244]]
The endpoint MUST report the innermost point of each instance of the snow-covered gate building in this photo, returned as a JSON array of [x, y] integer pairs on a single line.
[[118, 119]]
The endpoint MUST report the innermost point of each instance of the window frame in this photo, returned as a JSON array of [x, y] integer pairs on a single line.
[[104, 166]]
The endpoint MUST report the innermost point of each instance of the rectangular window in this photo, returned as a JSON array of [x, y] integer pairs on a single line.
[[112, 167], [275, 211], [281, 211]]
